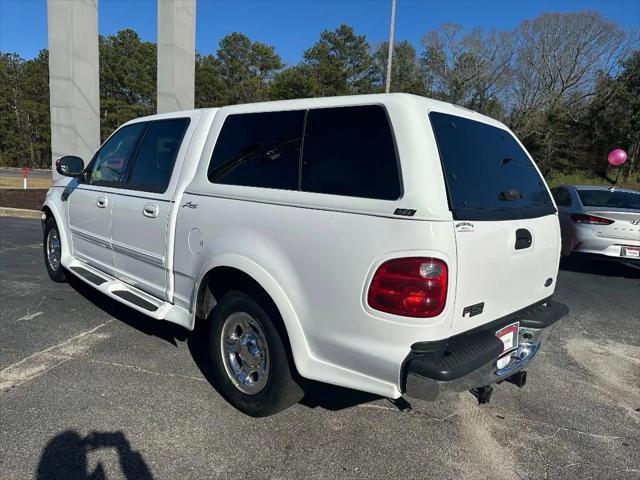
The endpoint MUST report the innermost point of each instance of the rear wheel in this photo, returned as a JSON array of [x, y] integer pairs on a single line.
[[52, 246], [251, 365]]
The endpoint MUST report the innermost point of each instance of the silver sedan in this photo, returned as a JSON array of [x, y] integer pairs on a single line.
[[599, 221]]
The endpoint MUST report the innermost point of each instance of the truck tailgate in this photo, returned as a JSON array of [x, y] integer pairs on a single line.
[[506, 225], [503, 266]]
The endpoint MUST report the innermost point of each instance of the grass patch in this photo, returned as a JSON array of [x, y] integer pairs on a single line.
[[39, 183], [583, 178]]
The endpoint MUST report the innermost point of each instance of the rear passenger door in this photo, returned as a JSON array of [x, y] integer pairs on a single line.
[[141, 210]]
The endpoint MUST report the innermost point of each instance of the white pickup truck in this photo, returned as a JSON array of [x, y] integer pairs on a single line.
[[387, 243]]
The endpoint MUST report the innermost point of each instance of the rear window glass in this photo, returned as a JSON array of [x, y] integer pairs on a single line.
[[340, 151], [350, 151], [259, 150], [488, 174], [608, 198]]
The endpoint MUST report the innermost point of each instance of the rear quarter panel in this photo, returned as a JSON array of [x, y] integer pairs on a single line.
[[321, 261]]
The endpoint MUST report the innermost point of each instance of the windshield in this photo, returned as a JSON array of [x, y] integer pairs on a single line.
[[488, 174], [608, 198]]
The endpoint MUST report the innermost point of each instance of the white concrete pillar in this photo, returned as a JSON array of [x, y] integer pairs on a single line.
[[176, 54], [73, 78]]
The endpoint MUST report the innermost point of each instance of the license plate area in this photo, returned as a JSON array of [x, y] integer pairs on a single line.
[[633, 252], [509, 337]]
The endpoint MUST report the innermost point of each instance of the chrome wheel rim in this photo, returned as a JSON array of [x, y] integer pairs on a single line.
[[53, 249], [245, 353]]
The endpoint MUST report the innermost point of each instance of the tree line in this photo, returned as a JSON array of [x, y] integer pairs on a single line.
[[568, 84]]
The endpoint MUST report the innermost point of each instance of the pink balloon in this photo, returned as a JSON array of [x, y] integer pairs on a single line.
[[617, 157]]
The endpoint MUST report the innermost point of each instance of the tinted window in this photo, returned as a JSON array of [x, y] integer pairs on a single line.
[[607, 198], [562, 197], [259, 150], [157, 154], [488, 175], [110, 163], [350, 151]]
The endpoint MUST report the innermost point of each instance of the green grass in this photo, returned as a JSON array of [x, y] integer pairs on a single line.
[[584, 178], [11, 182]]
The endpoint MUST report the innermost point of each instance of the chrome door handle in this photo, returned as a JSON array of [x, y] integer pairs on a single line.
[[150, 210], [101, 202]]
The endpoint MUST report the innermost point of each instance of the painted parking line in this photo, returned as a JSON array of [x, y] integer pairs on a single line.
[[40, 362]]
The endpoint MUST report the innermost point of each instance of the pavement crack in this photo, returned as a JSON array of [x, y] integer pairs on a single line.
[[540, 422], [568, 429], [413, 411], [140, 370]]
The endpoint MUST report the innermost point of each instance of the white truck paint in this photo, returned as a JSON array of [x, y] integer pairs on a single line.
[[314, 254]]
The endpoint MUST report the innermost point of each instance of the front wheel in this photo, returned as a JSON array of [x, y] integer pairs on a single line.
[[251, 365], [52, 246]]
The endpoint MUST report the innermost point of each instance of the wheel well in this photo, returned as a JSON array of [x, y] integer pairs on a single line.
[[47, 211], [220, 280]]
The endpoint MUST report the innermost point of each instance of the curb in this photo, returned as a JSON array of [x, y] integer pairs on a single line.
[[19, 213]]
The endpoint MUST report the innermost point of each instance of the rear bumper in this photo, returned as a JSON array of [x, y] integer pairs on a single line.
[[585, 241], [435, 369]]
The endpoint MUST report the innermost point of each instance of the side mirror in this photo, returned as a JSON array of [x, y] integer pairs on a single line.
[[70, 166]]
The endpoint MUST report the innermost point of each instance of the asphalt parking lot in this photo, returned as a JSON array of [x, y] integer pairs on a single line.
[[91, 389]]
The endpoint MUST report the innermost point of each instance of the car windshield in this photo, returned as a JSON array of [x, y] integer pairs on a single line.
[[488, 174], [608, 198]]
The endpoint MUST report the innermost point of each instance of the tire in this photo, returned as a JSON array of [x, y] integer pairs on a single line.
[[255, 353], [52, 249]]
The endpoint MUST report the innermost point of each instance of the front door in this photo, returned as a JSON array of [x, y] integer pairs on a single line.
[[90, 222], [91, 199], [140, 215]]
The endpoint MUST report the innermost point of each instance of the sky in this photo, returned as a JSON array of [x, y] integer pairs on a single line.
[[293, 26]]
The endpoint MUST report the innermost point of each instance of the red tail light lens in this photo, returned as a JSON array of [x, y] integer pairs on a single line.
[[590, 219], [411, 287]]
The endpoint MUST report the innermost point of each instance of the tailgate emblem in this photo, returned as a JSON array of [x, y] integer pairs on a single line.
[[473, 310], [465, 227], [634, 222]]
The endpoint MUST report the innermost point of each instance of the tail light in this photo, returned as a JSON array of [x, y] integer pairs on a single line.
[[590, 219], [411, 287]]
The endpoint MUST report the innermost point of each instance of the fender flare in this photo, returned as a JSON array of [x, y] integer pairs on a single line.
[[297, 340], [62, 230]]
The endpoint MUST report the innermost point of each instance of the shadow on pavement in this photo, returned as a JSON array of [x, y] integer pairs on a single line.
[[594, 266], [316, 394], [65, 457], [167, 331], [331, 397]]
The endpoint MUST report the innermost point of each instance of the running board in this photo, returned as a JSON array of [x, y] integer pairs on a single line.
[[89, 276], [129, 295], [135, 299]]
